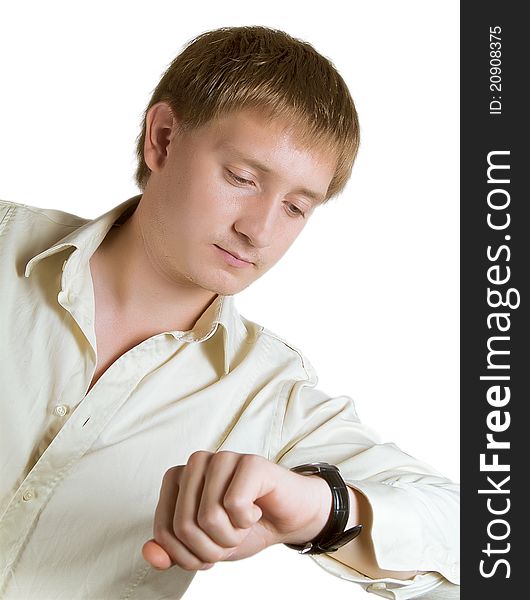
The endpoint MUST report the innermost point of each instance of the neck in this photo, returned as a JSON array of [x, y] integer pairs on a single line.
[[128, 283]]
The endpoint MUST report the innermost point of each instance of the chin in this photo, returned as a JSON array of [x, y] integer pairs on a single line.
[[227, 290], [223, 285]]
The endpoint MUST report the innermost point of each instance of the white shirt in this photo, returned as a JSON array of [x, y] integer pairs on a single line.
[[81, 472]]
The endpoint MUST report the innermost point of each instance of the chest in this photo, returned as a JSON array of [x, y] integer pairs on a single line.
[[111, 344], [114, 335]]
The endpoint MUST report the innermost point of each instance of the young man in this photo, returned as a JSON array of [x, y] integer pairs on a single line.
[[133, 391]]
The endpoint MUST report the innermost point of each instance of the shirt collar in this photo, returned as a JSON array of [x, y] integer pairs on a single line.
[[88, 237]]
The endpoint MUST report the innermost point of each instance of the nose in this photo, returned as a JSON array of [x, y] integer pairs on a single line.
[[257, 219]]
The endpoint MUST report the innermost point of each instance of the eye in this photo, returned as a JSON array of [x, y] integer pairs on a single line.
[[237, 179], [295, 211]]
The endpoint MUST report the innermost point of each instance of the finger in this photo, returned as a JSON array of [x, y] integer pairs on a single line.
[[249, 484], [185, 524], [212, 517], [165, 509], [165, 540], [158, 558]]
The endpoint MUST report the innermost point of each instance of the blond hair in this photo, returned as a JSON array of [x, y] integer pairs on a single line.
[[233, 68]]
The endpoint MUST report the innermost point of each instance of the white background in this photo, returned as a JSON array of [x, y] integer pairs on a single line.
[[369, 292]]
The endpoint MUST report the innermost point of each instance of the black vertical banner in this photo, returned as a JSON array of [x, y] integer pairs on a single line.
[[495, 257]]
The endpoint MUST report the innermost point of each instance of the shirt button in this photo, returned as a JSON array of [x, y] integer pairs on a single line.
[[60, 410], [28, 495], [378, 585]]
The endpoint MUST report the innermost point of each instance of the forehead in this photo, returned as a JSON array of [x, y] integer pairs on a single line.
[[264, 128]]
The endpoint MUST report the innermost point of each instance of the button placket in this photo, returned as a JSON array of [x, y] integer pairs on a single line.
[[72, 442]]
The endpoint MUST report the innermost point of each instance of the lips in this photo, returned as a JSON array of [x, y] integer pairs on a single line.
[[236, 255]]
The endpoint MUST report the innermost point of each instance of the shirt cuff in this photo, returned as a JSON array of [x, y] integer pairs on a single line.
[[415, 526], [428, 586]]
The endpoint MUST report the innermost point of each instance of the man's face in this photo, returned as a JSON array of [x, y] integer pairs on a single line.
[[236, 186]]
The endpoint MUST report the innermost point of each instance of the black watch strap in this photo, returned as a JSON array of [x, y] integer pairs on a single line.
[[333, 536]]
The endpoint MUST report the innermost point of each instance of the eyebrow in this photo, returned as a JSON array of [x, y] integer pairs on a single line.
[[313, 196]]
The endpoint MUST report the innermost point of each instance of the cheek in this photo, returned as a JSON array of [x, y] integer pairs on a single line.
[[215, 207], [210, 191], [285, 241]]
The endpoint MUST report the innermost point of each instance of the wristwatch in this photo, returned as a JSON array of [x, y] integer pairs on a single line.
[[333, 536]]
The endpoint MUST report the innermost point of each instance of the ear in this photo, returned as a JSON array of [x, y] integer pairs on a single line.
[[160, 128]]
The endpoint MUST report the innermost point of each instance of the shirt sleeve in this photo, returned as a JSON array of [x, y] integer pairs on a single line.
[[415, 509]]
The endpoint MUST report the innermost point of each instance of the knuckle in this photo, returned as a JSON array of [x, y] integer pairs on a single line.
[[212, 557], [197, 456], [210, 519], [170, 474], [199, 560], [184, 530], [222, 454], [217, 556], [164, 538], [192, 565], [252, 460], [218, 457], [234, 502]]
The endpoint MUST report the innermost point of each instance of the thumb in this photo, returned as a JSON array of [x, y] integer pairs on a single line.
[[156, 556]]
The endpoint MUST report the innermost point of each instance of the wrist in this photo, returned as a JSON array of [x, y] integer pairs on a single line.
[[320, 491]]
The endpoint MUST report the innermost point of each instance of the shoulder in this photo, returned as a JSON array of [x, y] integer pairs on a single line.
[[284, 352], [27, 230], [9, 209], [30, 228]]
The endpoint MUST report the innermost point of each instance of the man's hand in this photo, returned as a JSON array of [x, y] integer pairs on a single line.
[[228, 506]]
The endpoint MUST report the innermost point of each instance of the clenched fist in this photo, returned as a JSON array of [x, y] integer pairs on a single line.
[[228, 506]]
